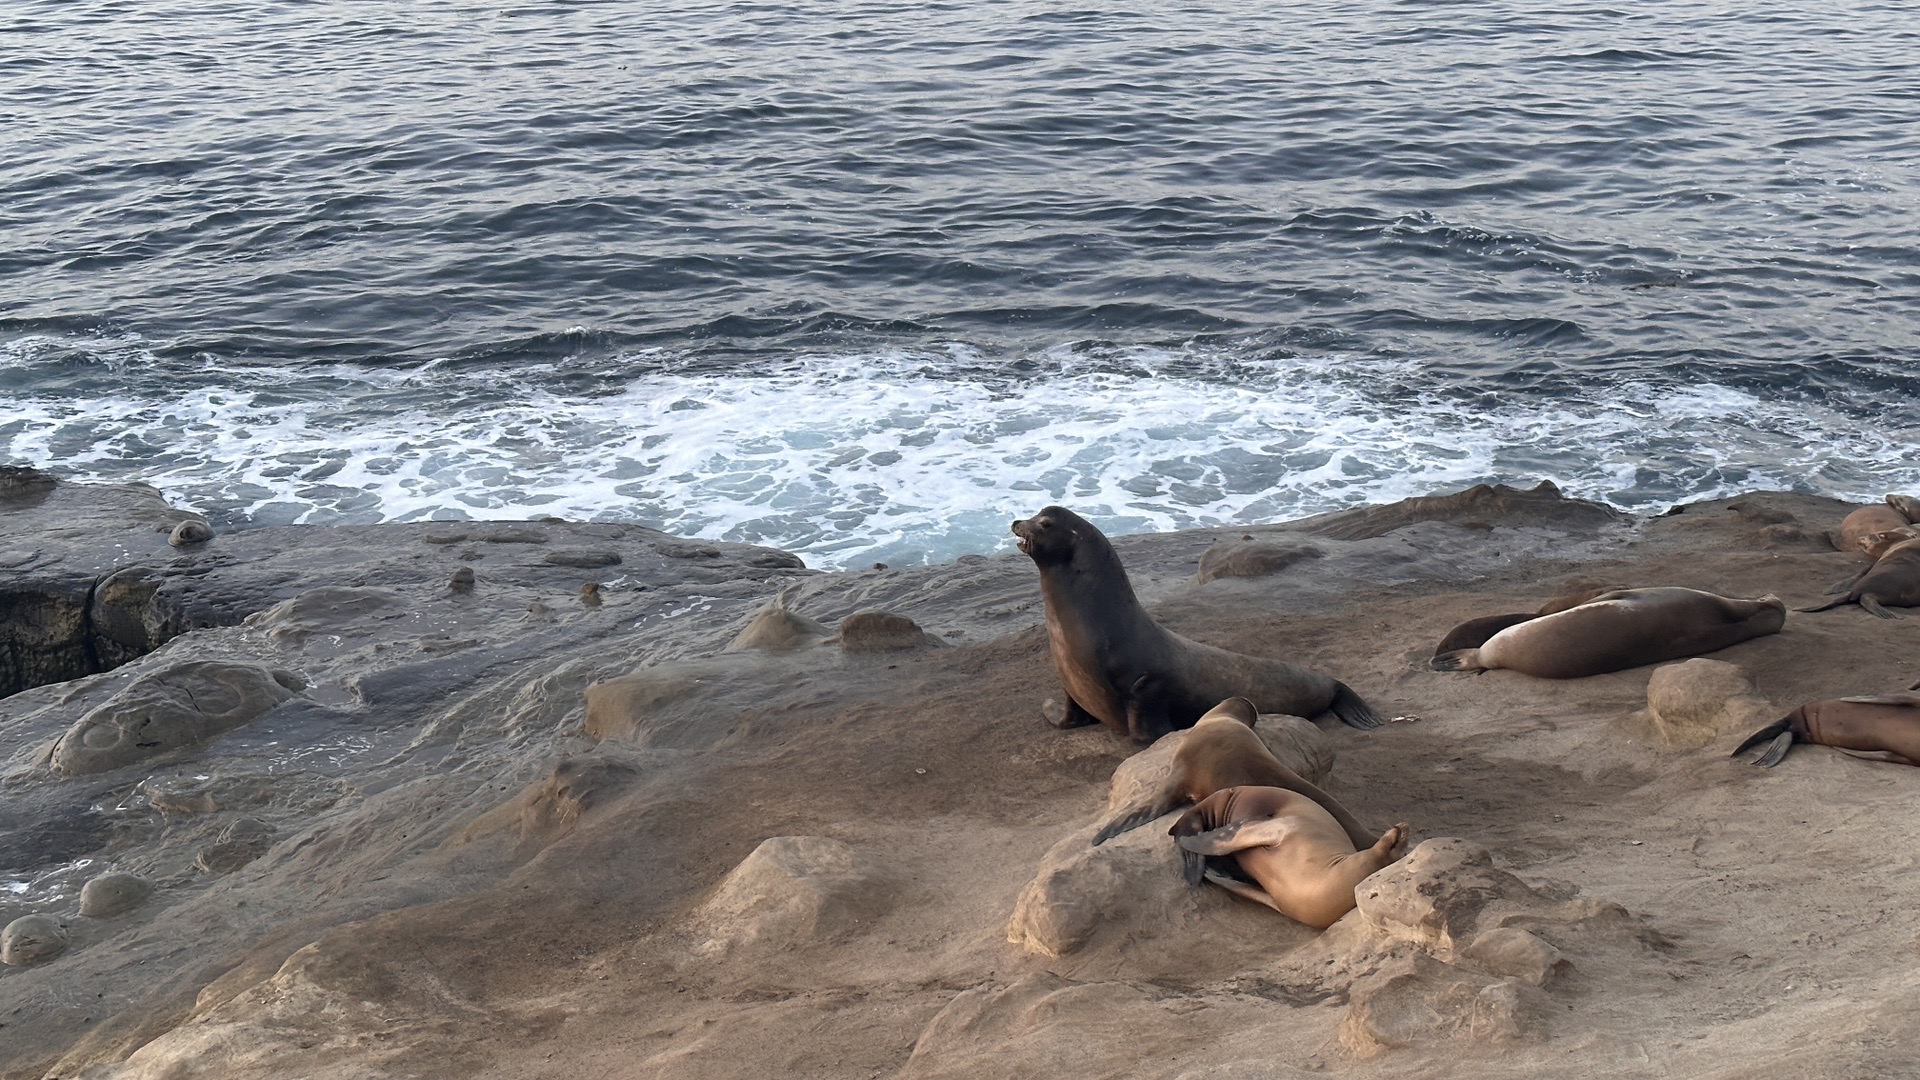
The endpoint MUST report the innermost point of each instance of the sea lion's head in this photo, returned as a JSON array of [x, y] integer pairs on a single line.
[[1908, 506], [1234, 709], [1050, 535], [1876, 544]]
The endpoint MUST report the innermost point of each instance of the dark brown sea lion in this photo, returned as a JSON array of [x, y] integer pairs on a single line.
[[1122, 669], [1888, 723], [1908, 506], [1474, 632], [1298, 858], [1621, 629], [1867, 519], [1222, 751], [1893, 580]]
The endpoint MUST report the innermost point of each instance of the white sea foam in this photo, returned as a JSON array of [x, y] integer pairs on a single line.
[[855, 458]]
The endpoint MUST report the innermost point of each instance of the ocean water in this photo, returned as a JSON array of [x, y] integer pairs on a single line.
[[866, 280]]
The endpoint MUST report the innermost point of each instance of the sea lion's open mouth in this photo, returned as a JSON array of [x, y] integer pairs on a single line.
[[1025, 538]]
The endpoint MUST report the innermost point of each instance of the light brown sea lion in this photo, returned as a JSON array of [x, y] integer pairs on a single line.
[[1474, 632], [1867, 519], [1122, 669], [1220, 752], [1621, 629], [1888, 723], [1908, 506], [190, 532], [1893, 579], [1298, 859], [1879, 543]]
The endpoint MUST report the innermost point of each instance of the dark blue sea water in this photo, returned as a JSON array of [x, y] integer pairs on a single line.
[[867, 279]]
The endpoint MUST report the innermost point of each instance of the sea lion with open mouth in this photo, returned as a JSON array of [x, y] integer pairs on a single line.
[[1122, 669]]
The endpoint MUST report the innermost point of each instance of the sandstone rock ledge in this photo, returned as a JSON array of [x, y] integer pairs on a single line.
[[554, 800]]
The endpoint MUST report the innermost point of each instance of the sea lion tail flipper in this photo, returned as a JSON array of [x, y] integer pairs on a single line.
[[1135, 816], [1457, 660], [1351, 710], [1777, 752], [1825, 606], [1872, 604], [1236, 836], [1771, 733]]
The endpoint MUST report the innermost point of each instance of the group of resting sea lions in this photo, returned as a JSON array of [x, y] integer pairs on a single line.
[[1265, 833]]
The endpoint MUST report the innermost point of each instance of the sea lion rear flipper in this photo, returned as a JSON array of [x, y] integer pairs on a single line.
[[1825, 606], [1906, 698], [1457, 660], [1237, 836], [1779, 733], [1241, 889], [1162, 802], [1351, 710], [1872, 604]]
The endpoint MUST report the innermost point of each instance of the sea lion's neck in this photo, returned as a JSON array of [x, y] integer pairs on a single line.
[[1092, 577]]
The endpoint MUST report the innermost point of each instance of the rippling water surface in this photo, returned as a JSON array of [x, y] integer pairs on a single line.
[[865, 280]]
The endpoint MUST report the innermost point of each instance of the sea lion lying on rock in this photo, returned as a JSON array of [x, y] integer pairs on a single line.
[[1122, 669], [1889, 723], [1864, 522], [1300, 862], [1621, 629], [1893, 579], [1220, 752]]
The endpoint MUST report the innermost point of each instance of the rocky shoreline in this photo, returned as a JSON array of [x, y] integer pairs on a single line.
[[313, 801]]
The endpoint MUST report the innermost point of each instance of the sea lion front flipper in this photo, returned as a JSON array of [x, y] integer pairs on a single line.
[[1351, 710], [1872, 604], [1906, 698], [1474, 632], [1073, 717], [1242, 890], [1457, 660]]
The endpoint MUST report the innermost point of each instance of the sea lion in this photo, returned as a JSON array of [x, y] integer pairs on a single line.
[[1621, 629], [1121, 668], [1879, 543], [1867, 519], [1893, 579], [1888, 723], [190, 532], [1220, 752], [1908, 506], [1300, 862], [1474, 632]]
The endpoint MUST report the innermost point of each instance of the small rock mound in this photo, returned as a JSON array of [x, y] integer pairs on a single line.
[[241, 842], [794, 891], [113, 894], [32, 939], [178, 706], [1252, 559], [326, 610], [548, 808], [623, 707], [1417, 999], [883, 631], [1693, 703], [778, 628]]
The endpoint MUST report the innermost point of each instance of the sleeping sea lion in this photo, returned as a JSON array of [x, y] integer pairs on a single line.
[[1879, 543], [1298, 859], [1474, 632], [1889, 723], [1867, 519], [1222, 751], [1893, 579], [1621, 629], [1908, 506], [1122, 669]]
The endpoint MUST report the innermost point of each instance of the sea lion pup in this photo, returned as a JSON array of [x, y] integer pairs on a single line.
[[1888, 723], [1621, 629], [1122, 669], [1222, 751], [1893, 579], [1474, 632], [1868, 519], [1300, 862]]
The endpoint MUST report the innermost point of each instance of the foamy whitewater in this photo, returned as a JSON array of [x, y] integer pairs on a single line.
[[865, 280]]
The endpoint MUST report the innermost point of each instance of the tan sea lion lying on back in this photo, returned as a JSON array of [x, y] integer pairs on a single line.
[[1222, 751], [1288, 852], [1621, 629]]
